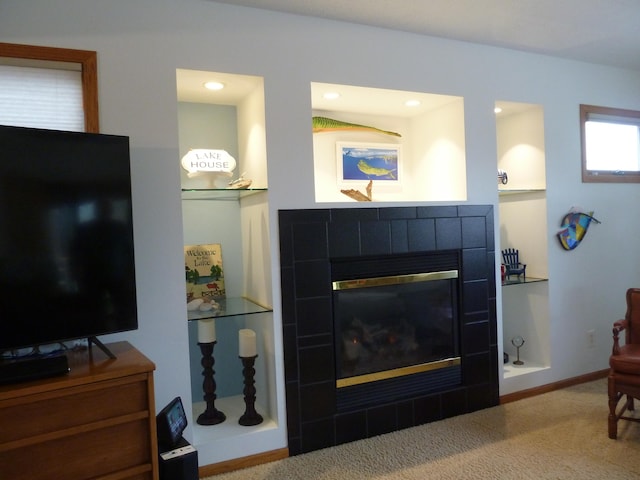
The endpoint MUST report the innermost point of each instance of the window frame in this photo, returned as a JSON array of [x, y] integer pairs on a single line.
[[606, 176], [88, 61]]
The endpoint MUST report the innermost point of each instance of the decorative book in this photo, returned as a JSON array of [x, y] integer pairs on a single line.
[[204, 272]]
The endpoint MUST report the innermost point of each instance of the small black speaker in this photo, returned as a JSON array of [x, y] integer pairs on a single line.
[[179, 463]]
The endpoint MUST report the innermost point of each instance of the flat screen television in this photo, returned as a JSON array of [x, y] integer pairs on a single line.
[[66, 237]]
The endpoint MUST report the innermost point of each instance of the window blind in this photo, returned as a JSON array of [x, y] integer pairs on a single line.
[[41, 97]]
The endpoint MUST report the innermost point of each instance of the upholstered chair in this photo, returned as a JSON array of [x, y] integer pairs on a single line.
[[624, 374]]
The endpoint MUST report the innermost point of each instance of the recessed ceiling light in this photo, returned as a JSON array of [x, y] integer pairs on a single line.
[[214, 85], [331, 95], [412, 103], [497, 110]]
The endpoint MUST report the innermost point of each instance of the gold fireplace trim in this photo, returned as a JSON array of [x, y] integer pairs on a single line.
[[394, 280], [397, 372]]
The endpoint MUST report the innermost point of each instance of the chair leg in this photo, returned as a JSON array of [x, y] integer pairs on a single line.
[[613, 402], [613, 424]]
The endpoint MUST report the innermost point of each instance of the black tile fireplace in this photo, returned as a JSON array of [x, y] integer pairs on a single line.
[[412, 290]]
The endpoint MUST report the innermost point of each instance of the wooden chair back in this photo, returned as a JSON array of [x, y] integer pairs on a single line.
[[632, 332]]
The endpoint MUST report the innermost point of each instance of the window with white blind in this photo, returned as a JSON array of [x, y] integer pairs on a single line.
[[41, 97], [47, 87]]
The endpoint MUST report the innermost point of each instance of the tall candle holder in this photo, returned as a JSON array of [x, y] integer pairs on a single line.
[[211, 416], [250, 416]]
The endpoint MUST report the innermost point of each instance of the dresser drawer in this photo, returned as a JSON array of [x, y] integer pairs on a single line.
[[72, 407], [84, 455]]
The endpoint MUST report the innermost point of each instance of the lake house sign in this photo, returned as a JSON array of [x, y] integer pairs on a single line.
[[206, 160]]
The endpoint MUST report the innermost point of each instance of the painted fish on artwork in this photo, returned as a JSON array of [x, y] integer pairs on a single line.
[[574, 227], [367, 169], [325, 124]]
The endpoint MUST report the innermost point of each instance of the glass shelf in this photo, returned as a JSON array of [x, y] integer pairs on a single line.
[[520, 191], [223, 194], [229, 307], [521, 281]]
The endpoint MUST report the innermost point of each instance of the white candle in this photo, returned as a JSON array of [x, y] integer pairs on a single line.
[[206, 331], [247, 343]]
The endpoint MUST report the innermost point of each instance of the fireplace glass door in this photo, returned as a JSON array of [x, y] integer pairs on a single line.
[[395, 325]]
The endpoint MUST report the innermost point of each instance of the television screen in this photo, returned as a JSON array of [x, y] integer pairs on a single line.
[[66, 236]]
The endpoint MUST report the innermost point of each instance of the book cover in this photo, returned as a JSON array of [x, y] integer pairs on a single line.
[[204, 272]]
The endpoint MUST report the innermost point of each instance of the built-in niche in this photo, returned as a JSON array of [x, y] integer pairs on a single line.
[[523, 226], [215, 211], [409, 145]]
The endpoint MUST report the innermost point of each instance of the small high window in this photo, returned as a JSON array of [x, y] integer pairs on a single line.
[[48, 87], [610, 144]]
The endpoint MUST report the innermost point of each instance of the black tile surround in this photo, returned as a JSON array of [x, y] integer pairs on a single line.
[[308, 240]]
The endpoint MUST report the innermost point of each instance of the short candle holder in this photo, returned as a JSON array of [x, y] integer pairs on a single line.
[[211, 416], [250, 416]]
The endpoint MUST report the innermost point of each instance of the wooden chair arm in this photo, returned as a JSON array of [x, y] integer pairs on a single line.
[[618, 327]]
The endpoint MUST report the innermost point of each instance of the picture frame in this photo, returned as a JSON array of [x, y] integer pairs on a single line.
[[361, 162]]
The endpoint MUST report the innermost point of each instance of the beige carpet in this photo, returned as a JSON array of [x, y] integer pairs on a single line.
[[557, 435]]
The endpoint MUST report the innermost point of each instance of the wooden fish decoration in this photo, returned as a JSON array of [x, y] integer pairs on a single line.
[[574, 227], [325, 124]]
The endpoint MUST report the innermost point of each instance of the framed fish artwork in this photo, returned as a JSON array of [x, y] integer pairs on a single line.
[[361, 162]]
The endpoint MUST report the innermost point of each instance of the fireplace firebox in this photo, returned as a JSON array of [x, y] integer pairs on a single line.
[[394, 316], [401, 323]]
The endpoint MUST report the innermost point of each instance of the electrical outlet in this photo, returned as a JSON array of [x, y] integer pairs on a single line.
[[591, 338]]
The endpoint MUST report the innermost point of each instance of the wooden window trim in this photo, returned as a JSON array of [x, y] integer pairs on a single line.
[[89, 70], [594, 176]]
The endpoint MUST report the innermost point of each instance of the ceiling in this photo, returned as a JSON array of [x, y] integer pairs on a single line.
[[605, 32]]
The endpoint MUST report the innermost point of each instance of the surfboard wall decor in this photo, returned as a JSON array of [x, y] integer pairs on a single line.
[[574, 227]]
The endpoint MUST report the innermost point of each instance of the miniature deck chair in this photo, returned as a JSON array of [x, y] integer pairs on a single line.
[[511, 261], [624, 374]]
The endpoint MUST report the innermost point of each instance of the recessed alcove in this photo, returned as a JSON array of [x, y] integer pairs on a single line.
[[233, 120], [523, 223], [428, 134]]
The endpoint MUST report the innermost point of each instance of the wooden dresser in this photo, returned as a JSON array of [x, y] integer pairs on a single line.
[[96, 422]]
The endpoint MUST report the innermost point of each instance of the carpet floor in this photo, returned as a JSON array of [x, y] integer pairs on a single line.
[[557, 435]]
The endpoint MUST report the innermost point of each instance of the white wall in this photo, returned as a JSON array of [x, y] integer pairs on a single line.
[[140, 44]]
